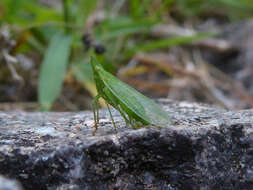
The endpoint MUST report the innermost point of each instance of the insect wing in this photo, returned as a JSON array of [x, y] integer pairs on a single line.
[[142, 106]]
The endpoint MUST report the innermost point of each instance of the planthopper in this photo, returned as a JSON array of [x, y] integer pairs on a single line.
[[136, 109]]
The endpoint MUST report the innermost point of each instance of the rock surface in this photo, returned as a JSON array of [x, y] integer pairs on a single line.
[[8, 184], [203, 148]]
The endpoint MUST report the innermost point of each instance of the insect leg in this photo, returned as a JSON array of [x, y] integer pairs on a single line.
[[111, 117], [97, 108], [114, 102], [95, 112], [123, 114]]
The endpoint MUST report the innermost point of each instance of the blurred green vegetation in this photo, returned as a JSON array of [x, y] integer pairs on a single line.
[[56, 31], [228, 9]]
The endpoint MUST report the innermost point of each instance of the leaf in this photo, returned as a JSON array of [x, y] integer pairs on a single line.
[[85, 8], [131, 99], [29, 12], [53, 69], [83, 72], [169, 42], [121, 26]]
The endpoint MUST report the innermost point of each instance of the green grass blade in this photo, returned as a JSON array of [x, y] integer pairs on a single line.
[[122, 26], [138, 8], [27, 13], [169, 42], [85, 8], [53, 70], [83, 73]]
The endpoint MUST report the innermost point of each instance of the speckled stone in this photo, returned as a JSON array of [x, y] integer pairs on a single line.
[[202, 148], [8, 184]]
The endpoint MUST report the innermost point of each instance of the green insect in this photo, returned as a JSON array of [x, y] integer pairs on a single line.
[[136, 109]]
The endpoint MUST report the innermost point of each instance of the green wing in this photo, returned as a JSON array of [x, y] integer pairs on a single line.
[[142, 106]]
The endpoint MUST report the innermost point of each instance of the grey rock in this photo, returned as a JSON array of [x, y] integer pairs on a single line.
[[8, 184], [203, 148]]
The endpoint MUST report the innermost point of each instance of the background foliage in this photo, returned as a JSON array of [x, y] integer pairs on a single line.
[[53, 30]]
